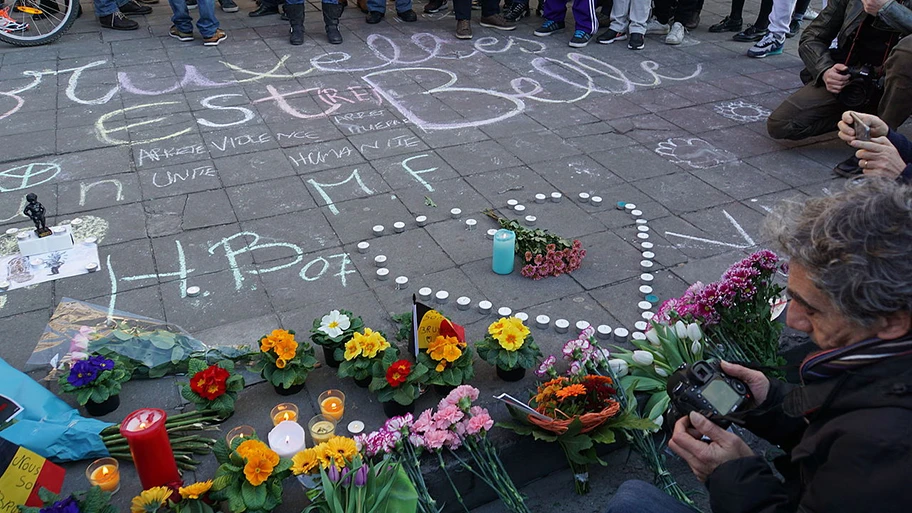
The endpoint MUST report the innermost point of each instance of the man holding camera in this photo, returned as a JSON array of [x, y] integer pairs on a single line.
[[847, 430], [869, 70]]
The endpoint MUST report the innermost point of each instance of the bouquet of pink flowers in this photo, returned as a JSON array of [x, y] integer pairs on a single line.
[[544, 254]]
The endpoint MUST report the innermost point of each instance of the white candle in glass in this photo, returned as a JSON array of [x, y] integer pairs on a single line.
[[287, 438]]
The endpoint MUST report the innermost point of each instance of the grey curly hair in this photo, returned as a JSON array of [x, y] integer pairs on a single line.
[[856, 246]]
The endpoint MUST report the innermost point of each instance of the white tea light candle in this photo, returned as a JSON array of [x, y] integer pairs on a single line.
[[561, 325], [363, 247], [463, 303], [504, 311], [383, 274], [425, 293], [398, 227], [542, 322]]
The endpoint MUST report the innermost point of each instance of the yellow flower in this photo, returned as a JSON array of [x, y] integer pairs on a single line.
[[304, 461], [496, 327], [323, 455], [341, 450], [195, 490], [510, 338], [286, 348], [353, 347], [150, 500], [440, 367], [516, 323], [281, 363], [259, 467]]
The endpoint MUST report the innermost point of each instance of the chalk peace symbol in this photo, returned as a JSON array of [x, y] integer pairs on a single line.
[[27, 175]]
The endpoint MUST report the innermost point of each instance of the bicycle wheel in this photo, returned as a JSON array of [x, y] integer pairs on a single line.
[[36, 22]]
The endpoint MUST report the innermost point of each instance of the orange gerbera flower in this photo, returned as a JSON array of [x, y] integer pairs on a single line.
[[571, 391]]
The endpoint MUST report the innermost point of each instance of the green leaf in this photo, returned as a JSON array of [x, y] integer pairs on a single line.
[[221, 452], [83, 395], [177, 354], [195, 365], [602, 435], [254, 496], [161, 342], [545, 436], [120, 335], [519, 429]]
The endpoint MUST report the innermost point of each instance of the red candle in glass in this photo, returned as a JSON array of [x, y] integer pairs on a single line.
[[148, 439]]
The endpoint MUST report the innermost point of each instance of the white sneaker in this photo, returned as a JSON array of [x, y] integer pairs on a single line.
[[654, 27], [810, 14], [676, 35]]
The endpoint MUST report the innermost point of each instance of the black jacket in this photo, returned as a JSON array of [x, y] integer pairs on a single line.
[[851, 451]]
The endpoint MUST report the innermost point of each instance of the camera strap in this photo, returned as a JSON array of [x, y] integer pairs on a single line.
[[890, 45]]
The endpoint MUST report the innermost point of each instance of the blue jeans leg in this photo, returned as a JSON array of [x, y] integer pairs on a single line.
[[640, 497], [376, 5], [207, 24], [180, 16], [106, 7], [403, 5]]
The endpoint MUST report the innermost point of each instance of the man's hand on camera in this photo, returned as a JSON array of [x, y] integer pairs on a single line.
[[702, 457], [873, 7], [833, 78], [756, 381], [878, 157], [847, 126]]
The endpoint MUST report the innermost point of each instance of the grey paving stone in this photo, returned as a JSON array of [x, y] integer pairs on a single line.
[[791, 167], [327, 155], [345, 183], [209, 208], [172, 180], [28, 299], [670, 191], [308, 230], [252, 167], [127, 259], [617, 260], [97, 193], [509, 290], [447, 196], [231, 249], [424, 168], [634, 163], [356, 218], [519, 183], [740, 180], [479, 157], [270, 198], [313, 278], [220, 302], [24, 326], [539, 147], [621, 299]]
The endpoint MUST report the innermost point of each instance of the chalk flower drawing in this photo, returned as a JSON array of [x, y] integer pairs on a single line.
[[739, 110], [694, 152]]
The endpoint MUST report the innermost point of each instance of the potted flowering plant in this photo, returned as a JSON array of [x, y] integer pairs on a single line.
[[213, 388], [332, 331], [449, 361], [249, 476], [509, 347], [397, 383], [359, 354], [92, 501], [284, 362], [96, 381]]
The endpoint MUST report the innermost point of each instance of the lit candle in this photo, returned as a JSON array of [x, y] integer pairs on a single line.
[[284, 412], [286, 439], [239, 432], [504, 248], [321, 428], [147, 437], [332, 404], [105, 474]]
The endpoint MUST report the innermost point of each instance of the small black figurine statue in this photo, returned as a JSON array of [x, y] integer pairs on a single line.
[[35, 212]]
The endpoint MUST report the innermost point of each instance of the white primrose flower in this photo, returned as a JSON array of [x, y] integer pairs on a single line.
[[619, 367], [334, 324], [680, 329], [644, 358], [693, 332], [653, 337]]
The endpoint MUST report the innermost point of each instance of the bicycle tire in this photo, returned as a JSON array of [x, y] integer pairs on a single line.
[[44, 28]]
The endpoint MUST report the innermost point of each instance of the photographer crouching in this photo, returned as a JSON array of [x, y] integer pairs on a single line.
[[847, 430], [868, 70]]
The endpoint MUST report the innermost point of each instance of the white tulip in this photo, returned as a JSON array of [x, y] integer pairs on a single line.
[[680, 329], [643, 357], [661, 372], [693, 332], [659, 421], [619, 367], [695, 348], [653, 337]]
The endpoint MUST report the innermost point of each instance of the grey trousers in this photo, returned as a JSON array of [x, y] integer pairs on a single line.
[[630, 16]]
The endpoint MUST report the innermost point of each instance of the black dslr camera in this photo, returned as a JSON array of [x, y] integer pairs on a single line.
[[704, 388], [863, 86]]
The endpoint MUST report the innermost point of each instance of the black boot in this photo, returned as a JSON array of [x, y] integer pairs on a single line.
[[295, 14], [331, 15]]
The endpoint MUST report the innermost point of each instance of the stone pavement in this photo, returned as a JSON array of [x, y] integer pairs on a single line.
[[252, 170]]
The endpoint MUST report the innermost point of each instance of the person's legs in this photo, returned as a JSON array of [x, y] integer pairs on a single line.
[[377, 5], [207, 23], [294, 9], [781, 16], [801, 6], [555, 10], [737, 10], [809, 111], [463, 9], [763, 17], [896, 103], [490, 8], [104, 7], [180, 16], [640, 497], [403, 5], [585, 16], [663, 10], [620, 16], [639, 16], [332, 11]]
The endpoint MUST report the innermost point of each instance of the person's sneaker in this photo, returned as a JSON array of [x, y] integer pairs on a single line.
[[692, 22], [117, 21], [496, 21], [180, 36], [374, 17], [263, 10], [675, 35], [463, 29], [750, 34], [549, 27], [8, 24], [580, 39], [654, 27], [810, 14], [192, 4], [771, 44], [476, 5], [728, 24], [609, 36], [149, 2], [516, 12], [132, 8], [794, 28], [849, 168], [229, 6], [216, 38], [408, 16], [636, 41], [435, 6]]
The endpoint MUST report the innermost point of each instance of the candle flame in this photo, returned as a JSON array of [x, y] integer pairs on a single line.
[[286, 415], [142, 425], [104, 471], [287, 439]]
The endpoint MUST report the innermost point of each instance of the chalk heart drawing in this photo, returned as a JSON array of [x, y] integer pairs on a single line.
[[741, 111], [694, 152], [91, 227]]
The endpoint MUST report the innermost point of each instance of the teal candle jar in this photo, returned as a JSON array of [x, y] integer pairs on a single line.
[[504, 251]]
